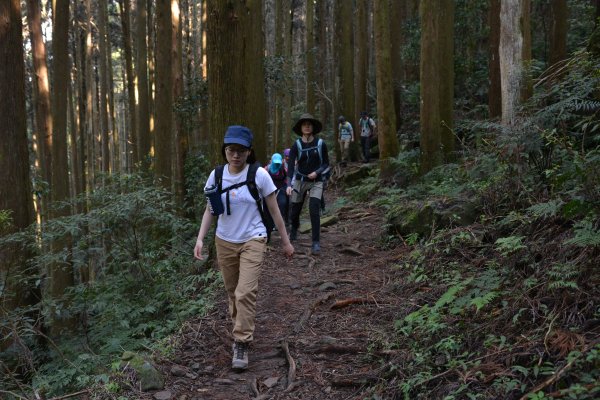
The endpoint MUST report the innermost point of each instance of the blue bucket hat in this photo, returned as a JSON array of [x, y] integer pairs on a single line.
[[238, 134]]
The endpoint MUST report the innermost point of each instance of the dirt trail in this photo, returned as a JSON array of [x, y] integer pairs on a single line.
[[328, 346]]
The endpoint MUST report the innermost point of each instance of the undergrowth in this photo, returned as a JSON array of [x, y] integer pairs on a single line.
[[135, 284]]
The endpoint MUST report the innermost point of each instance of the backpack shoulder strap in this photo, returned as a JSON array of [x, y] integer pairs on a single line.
[[251, 180], [219, 177], [319, 149]]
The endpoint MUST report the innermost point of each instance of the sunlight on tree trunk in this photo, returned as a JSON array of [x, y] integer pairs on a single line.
[[511, 61]]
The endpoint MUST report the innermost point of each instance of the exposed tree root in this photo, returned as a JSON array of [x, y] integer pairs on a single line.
[[308, 312], [292, 366], [356, 300]]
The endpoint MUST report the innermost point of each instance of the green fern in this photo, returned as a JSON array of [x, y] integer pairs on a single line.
[[586, 234], [546, 210]]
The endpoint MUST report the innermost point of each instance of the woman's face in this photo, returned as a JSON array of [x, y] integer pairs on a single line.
[[236, 155], [307, 128]]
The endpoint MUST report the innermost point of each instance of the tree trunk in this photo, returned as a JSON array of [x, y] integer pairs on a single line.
[[43, 112], [102, 61], [80, 91], [125, 24], [90, 99], [558, 40], [386, 116], [164, 94], [345, 65], [234, 31], [494, 93], [511, 62], [143, 109], [361, 64], [181, 134], [15, 185], [437, 82], [525, 26], [310, 57], [61, 274], [282, 123], [397, 22]]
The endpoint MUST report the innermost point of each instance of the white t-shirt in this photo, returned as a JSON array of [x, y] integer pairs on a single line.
[[245, 222]]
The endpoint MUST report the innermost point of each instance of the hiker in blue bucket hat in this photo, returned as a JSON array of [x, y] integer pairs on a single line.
[[236, 193]]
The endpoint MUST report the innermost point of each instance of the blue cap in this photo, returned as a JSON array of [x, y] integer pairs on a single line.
[[238, 134], [276, 159]]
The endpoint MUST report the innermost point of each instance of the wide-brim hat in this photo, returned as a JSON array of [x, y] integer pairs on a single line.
[[317, 126]]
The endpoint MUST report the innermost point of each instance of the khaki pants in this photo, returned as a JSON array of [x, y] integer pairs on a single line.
[[240, 265], [344, 148]]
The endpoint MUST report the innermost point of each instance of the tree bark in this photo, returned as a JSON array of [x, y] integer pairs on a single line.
[[558, 39], [143, 109], [181, 134], [511, 61], [345, 66], [15, 186], [43, 112], [128, 55], [310, 57], [361, 65], [388, 141], [164, 94], [494, 92], [61, 274], [397, 21], [525, 27], [103, 64], [437, 82], [234, 31]]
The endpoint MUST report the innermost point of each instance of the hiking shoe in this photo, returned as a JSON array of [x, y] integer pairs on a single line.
[[316, 249], [240, 356], [294, 234]]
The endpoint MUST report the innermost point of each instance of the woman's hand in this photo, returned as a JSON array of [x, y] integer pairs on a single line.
[[288, 191], [198, 249], [288, 250], [312, 175]]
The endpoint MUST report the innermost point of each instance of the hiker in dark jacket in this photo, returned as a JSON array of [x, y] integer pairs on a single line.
[[278, 173], [308, 160], [241, 235]]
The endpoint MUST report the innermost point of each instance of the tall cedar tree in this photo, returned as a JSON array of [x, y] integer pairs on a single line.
[[494, 93], [128, 56], [143, 88], [163, 145], [525, 27], [345, 65], [236, 89], [61, 273], [388, 141], [361, 65], [558, 40], [104, 85], [15, 187], [437, 82], [283, 124], [511, 61], [397, 22], [310, 57], [43, 112]]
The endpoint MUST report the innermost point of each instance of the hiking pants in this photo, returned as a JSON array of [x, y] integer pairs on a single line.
[[344, 148], [314, 205], [365, 142], [240, 265]]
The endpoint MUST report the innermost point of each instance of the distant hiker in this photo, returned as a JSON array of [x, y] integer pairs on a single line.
[[367, 130], [312, 159], [278, 173], [241, 235], [345, 136], [286, 158]]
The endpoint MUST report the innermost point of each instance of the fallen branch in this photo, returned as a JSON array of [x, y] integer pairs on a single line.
[[347, 302], [67, 396], [357, 381], [13, 394], [558, 374], [292, 366]]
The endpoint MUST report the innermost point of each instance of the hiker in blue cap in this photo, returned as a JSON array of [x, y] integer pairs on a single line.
[[236, 193], [308, 161]]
